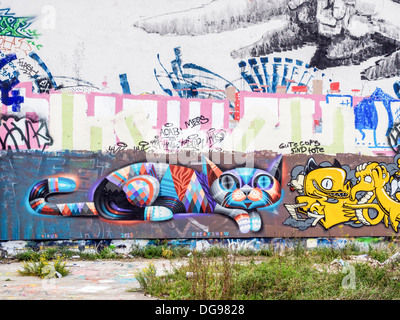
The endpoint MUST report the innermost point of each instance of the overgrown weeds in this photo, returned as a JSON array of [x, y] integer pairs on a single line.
[[49, 253], [159, 251], [44, 266], [52, 253], [209, 277], [279, 275]]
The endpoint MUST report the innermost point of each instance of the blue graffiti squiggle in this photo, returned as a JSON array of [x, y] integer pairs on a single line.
[[6, 86], [124, 84], [35, 57], [192, 81], [366, 116], [268, 81]]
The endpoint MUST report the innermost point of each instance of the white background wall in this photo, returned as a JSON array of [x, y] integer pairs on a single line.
[[95, 40]]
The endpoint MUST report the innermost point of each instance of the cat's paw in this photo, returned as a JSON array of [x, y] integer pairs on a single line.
[[255, 221], [243, 221], [157, 213]]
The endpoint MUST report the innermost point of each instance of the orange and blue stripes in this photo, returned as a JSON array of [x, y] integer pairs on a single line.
[[39, 192]]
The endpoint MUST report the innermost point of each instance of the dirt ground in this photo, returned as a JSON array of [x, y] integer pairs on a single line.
[[88, 280]]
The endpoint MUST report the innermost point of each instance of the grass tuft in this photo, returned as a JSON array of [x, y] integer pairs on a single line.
[[44, 266]]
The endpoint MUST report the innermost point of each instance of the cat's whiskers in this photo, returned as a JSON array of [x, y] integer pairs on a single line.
[[267, 199], [227, 199]]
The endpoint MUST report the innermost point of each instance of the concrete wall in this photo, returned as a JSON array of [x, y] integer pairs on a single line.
[[127, 248], [206, 88]]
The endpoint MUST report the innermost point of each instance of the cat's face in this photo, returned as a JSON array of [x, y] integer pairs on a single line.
[[246, 188]]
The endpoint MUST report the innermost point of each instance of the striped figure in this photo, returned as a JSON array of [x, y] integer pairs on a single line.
[[157, 191]]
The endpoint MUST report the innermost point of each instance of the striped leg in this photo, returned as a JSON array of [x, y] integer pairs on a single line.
[[241, 217], [157, 213], [41, 190], [255, 221]]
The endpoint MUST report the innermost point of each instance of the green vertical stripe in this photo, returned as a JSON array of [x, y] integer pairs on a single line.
[[255, 127], [296, 120], [339, 132], [67, 122], [135, 133], [96, 138], [337, 145]]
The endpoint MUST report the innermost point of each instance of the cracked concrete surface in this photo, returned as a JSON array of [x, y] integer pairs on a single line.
[[88, 280]]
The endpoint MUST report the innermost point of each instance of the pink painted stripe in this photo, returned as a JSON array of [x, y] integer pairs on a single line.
[[119, 103], [184, 116], [206, 111], [30, 94], [226, 114], [90, 104], [162, 113]]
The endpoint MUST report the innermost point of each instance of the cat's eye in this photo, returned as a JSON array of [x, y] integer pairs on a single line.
[[263, 182], [229, 182], [327, 184]]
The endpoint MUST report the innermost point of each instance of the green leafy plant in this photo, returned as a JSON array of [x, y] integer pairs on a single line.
[[107, 253], [147, 277], [50, 253], [44, 267]]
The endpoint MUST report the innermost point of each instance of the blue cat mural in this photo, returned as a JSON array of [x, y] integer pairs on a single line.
[[157, 191]]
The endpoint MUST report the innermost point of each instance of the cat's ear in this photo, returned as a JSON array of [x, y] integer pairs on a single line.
[[210, 170], [336, 164], [275, 169], [310, 166]]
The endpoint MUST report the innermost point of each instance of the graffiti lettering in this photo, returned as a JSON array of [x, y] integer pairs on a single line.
[[309, 146], [49, 236], [14, 26], [331, 198], [196, 121], [210, 234], [27, 68], [193, 142], [127, 235], [215, 136], [34, 33], [23, 133], [304, 149], [114, 150], [38, 46], [6, 86], [168, 131], [238, 245], [394, 136], [12, 44], [172, 139], [15, 100]]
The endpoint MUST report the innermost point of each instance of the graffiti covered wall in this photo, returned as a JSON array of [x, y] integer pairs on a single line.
[[199, 119]]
